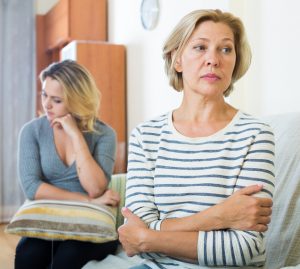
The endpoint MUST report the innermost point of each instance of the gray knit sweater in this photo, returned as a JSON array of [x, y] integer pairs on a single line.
[[39, 162]]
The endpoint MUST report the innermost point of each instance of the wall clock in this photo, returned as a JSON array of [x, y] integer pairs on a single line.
[[149, 13]]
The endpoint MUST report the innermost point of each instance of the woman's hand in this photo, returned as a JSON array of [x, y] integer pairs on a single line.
[[243, 211], [132, 233], [109, 197], [67, 123]]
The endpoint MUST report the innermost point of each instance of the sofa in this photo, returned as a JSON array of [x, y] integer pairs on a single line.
[[283, 236]]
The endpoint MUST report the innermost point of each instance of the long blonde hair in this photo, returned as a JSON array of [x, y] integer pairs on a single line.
[[81, 95]]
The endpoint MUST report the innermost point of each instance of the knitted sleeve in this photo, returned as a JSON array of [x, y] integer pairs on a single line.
[[29, 161]]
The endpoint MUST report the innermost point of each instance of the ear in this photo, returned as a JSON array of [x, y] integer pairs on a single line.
[[177, 65]]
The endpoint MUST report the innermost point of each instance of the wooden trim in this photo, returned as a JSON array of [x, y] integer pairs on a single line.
[[106, 62], [92, 22], [87, 20], [43, 59], [57, 25]]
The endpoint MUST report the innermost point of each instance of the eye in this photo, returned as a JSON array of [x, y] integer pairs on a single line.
[[43, 94], [226, 50], [200, 47], [57, 101]]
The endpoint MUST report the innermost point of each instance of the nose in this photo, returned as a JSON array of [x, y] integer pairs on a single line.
[[47, 103], [212, 59]]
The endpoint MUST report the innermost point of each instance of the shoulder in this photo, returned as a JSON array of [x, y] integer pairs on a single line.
[[253, 123], [103, 129], [103, 139], [34, 126], [155, 125]]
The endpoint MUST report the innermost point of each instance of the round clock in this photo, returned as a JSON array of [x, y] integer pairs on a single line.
[[149, 13]]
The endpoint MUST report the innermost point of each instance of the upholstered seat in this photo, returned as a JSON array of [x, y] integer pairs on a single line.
[[283, 236]]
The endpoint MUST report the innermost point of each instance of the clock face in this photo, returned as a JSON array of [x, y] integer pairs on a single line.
[[149, 13]]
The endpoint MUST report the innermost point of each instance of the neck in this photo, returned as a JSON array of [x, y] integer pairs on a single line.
[[204, 110]]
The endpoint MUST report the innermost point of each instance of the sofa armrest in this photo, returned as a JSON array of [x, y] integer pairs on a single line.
[[118, 184]]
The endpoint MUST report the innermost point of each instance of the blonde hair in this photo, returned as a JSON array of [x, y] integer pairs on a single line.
[[80, 93], [179, 37]]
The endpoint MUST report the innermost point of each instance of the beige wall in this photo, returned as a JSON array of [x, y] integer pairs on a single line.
[[42, 6], [270, 86], [272, 83], [148, 93], [248, 90]]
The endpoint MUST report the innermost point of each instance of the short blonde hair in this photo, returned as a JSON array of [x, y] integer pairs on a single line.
[[81, 95], [179, 37]]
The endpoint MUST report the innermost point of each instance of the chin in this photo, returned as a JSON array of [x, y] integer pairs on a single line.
[[50, 117], [209, 92]]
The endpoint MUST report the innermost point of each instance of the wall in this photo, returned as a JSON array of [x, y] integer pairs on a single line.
[[43, 6], [248, 90], [148, 93], [269, 87], [281, 57]]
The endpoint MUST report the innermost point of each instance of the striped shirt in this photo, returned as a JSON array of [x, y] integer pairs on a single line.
[[173, 176]]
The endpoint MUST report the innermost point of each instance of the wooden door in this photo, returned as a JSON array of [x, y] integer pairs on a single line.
[[106, 62]]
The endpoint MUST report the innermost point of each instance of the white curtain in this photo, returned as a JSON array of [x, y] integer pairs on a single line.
[[17, 93]]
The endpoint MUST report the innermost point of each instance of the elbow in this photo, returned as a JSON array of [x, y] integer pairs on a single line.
[[30, 192], [237, 248], [252, 255], [30, 196], [256, 260], [256, 257], [97, 191]]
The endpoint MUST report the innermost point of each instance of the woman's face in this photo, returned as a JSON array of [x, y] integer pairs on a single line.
[[208, 59], [52, 99]]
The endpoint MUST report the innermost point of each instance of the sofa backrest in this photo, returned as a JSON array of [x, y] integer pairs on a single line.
[[283, 237]]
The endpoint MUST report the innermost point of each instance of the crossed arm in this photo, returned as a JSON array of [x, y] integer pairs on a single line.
[[90, 173], [229, 233], [241, 211]]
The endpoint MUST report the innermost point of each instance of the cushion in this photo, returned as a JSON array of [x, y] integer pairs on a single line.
[[283, 236], [62, 220]]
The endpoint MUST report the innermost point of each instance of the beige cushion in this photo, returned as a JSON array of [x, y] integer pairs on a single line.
[[62, 220]]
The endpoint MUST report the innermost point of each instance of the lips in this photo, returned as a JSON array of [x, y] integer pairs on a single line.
[[49, 113], [210, 77]]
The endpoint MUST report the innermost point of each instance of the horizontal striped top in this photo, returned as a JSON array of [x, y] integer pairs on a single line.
[[173, 176]]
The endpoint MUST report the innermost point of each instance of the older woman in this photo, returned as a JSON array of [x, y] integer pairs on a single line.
[[200, 177]]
